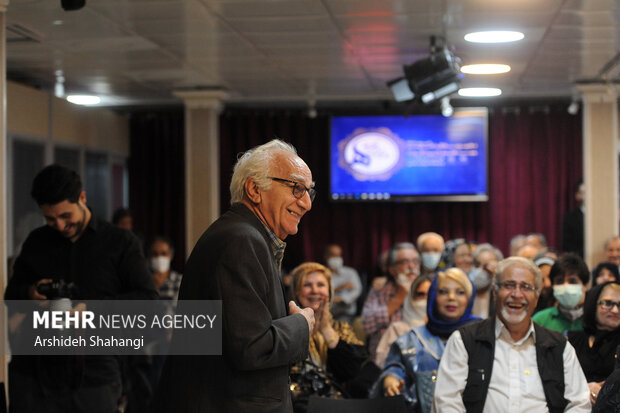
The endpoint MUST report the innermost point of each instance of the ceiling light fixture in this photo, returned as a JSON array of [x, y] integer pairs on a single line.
[[495, 36], [479, 91], [446, 108], [83, 99], [428, 79], [485, 69]]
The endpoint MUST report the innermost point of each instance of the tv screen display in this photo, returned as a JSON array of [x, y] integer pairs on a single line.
[[415, 158]]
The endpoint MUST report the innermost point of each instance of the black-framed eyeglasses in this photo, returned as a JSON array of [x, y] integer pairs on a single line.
[[298, 189], [512, 286], [608, 305]]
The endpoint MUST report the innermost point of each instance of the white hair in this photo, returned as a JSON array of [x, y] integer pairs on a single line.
[[521, 262], [256, 163]]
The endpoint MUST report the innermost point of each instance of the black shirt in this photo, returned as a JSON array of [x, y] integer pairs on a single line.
[[106, 262]]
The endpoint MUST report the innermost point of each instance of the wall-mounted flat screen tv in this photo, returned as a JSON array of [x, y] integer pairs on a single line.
[[414, 158]]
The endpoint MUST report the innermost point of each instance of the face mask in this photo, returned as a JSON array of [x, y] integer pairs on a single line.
[[334, 263], [160, 264], [480, 278], [568, 295], [430, 260]]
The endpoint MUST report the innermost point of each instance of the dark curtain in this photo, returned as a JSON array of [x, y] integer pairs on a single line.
[[535, 161], [156, 178]]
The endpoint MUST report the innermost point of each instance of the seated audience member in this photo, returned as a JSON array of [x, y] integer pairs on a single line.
[[545, 299], [346, 283], [612, 250], [430, 245], [536, 240], [333, 346], [414, 357], [516, 243], [507, 362], [596, 343], [528, 251], [605, 272], [608, 399], [384, 306], [463, 257], [569, 277], [122, 218], [167, 281], [414, 314], [486, 257]]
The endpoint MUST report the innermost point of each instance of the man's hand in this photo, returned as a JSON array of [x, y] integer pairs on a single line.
[[308, 313], [33, 294]]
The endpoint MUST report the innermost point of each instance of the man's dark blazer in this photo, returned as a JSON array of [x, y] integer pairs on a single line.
[[233, 262]]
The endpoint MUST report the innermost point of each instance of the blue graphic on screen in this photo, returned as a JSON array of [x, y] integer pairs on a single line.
[[385, 157]]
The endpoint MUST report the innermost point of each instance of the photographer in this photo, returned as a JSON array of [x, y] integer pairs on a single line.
[[76, 256]]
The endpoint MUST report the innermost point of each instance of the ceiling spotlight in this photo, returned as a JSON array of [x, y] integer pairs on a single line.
[[573, 108], [430, 78], [83, 99], [446, 108], [485, 69], [496, 36], [479, 91]]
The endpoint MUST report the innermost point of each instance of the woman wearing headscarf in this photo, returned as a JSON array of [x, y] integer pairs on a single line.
[[596, 344], [414, 357], [605, 272], [414, 314]]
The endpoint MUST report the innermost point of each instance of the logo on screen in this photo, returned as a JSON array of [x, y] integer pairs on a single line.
[[371, 154]]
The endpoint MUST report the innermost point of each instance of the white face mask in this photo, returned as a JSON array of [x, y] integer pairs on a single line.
[[160, 264], [479, 278], [568, 295], [430, 260], [335, 263]]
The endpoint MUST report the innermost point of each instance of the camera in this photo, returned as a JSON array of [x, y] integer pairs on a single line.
[[58, 289]]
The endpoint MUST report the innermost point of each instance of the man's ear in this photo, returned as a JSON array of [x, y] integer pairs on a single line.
[[82, 197], [252, 191]]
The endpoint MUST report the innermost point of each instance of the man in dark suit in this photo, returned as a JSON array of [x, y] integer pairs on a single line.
[[237, 260], [572, 224]]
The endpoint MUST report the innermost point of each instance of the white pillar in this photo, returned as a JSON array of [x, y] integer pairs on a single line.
[[3, 182], [202, 161], [600, 168]]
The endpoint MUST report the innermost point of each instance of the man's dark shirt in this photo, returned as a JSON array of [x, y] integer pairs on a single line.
[[105, 263]]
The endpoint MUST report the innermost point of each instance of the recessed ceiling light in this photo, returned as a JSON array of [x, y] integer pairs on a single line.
[[485, 69], [479, 91], [494, 37], [83, 99]]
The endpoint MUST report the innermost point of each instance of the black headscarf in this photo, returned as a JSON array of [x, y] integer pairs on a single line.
[[589, 313]]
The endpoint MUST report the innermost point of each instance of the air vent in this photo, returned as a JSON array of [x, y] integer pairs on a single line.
[[16, 32]]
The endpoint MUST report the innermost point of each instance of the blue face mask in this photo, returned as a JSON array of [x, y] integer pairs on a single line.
[[568, 295]]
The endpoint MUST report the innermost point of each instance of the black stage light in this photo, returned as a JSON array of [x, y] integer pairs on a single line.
[[69, 5]]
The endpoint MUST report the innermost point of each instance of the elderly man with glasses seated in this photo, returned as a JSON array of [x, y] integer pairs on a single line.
[[508, 363]]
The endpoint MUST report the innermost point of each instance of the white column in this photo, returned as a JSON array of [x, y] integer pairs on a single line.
[[3, 182], [202, 163], [600, 168]]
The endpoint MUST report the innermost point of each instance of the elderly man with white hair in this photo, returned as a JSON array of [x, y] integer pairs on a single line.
[[507, 363]]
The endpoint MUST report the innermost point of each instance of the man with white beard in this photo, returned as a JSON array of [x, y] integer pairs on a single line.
[[383, 306], [507, 362]]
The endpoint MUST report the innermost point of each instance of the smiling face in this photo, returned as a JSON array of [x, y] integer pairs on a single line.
[[608, 319], [451, 299], [314, 290], [515, 307], [68, 218], [277, 206], [612, 251]]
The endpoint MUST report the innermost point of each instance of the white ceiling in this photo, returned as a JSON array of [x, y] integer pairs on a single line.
[[136, 52]]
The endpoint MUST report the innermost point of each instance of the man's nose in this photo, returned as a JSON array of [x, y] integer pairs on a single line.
[[60, 225], [305, 202]]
